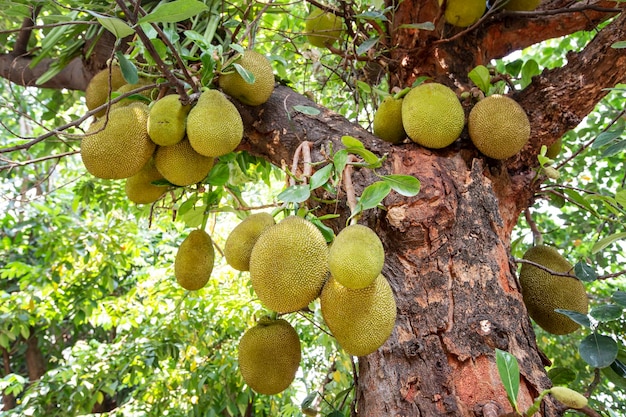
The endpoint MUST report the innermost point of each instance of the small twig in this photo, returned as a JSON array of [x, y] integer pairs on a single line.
[[537, 236], [567, 274], [347, 183]]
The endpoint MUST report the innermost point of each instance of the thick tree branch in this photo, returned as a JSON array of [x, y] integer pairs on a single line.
[[17, 70]]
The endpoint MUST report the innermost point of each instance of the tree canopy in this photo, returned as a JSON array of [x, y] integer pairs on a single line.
[[93, 320]]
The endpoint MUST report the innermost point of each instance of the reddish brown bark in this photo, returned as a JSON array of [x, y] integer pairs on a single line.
[[8, 400], [35, 362]]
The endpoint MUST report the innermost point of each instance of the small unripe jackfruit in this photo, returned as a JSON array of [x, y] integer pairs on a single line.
[[498, 126], [543, 292], [139, 188], [194, 260], [360, 319], [323, 28], [464, 13], [522, 5], [252, 94], [289, 264], [99, 90], [269, 356], [356, 256], [241, 240], [167, 120], [118, 146], [569, 397], [214, 126], [432, 115], [388, 120], [553, 150], [181, 165]]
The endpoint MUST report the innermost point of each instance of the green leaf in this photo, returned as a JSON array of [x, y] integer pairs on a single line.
[[327, 232], [605, 138], [245, 74], [481, 77], [585, 272], [619, 297], [129, 70], [335, 413], [174, 11], [508, 369], [366, 45], [607, 312], [116, 26], [373, 195], [561, 375], [320, 177], [529, 70], [578, 198], [419, 26], [370, 159], [579, 318], [311, 111], [219, 174], [351, 142], [598, 351], [620, 198], [405, 185], [619, 45], [613, 149], [604, 242], [340, 159], [295, 194]]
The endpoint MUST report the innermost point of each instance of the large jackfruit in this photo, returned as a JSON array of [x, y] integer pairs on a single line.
[[323, 28], [99, 89], [388, 120], [118, 146], [139, 188], [214, 126], [167, 120], [543, 292], [269, 356], [464, 13], [194, 260], [252, 94], [356, 256], [242, 238], [432, 115], [181, 165], [289, 265], [498, 126], [360, 319]]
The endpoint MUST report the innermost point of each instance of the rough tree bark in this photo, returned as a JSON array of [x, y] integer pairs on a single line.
[[447, 249]]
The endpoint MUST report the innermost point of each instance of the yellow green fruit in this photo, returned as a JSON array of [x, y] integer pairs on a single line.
[[214, 126], [522, 5], [464, 13], [569, 397], [553, 150], [242, 238], [99, 89], [543, 292], [118, 146], [126, 88], [498, 126], [252, 94], [360, 319], [269, 356], [356, 256], [388, 120], [139, 188], [323, 28], [181, 165], [289, 265], [432, 115], [167, 120], [194, 260]]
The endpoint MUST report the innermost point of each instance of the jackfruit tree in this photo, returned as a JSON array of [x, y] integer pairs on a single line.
[[506, 134]]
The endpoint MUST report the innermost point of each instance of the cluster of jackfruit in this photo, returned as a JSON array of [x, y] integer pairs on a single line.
[[290, 266], [431, 115], [464, 13], [167, 141]]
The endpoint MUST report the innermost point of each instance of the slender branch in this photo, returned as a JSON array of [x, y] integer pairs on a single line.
[[537, 236], [567, 274], [13, 164], [347, 184]]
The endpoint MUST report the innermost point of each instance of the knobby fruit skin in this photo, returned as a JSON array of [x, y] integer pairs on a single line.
[[252, 94], [194, 260], [323, 28], [98, 90], [139, 188], [388, 120], [167, 120], [463, 13], [181, 165], [269, 356], [242, 238]]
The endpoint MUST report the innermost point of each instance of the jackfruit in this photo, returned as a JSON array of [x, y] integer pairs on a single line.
[[543, 292], [99, 90], [194, 260], [289, 264], [181, 165], [133, 98], [214, 126], [242, 238], [569, 397], [432, 115], [463, 13], [388, 120], [498, 126], [360, 319], [167, 120], [269, 356], [553, 150], [356, 256], [323, 28], [120, 146], [252, 94], [522, 5], [139, 188]]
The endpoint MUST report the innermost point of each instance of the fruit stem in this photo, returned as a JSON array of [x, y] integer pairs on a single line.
[[349, 187], [401, 93]]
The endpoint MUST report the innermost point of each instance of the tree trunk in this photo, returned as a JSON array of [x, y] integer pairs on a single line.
[[8, 400], [35, 362]]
